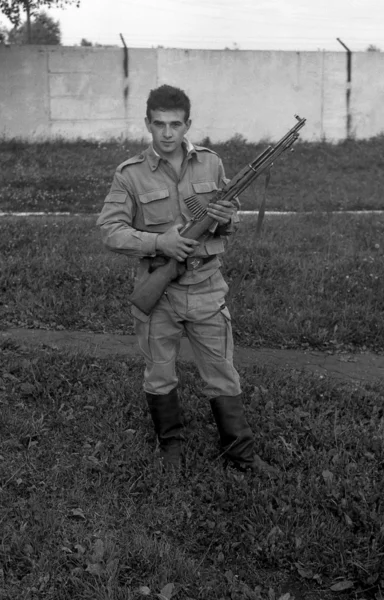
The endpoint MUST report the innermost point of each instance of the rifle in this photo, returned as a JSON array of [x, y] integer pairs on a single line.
[[163, 270]]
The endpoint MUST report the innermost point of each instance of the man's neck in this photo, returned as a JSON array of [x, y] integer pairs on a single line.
[[177, 163], [177, 156]]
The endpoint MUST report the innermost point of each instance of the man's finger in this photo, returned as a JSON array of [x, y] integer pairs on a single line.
[[191, 242], [219, 210]]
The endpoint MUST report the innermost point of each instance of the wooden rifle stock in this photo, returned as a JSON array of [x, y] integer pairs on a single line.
[[152, 286]]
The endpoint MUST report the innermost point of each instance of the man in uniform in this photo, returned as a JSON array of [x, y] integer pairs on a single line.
[[141, 217]]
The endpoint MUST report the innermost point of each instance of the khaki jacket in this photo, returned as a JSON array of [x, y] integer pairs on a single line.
[[147, 197]]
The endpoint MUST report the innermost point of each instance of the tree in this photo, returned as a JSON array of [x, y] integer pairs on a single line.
[[43, 30], [373, 48], [235, 46], [3, 35], [13, 9], [85, 42]]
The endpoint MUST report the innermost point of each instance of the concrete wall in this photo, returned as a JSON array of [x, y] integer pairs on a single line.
[[100, 93]]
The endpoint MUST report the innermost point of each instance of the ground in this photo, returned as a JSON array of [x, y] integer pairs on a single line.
[[363, 366]]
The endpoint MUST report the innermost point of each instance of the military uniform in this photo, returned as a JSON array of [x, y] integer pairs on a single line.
[[146, 198]]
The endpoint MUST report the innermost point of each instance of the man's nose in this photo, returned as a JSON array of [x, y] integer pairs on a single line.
[[167, 131]]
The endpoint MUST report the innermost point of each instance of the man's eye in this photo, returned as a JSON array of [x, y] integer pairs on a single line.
[[161, 125]]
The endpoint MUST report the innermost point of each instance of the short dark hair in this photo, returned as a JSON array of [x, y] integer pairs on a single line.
[[167, 97]]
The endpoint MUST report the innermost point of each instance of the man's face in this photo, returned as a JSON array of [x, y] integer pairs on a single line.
[[168, 129]]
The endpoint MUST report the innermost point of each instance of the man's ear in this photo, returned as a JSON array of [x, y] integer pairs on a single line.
[[188, 123], [148, 124]]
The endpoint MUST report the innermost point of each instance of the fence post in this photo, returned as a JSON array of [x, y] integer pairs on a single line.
[[349, 86]]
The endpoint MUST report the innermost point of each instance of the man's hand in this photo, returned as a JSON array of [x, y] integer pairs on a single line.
[[172, 244], [221, 212]]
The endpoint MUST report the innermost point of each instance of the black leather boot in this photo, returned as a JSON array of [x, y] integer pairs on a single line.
[[166, 416], [236, 436]]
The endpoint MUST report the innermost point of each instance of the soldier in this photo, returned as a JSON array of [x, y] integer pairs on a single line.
[[141, 217]]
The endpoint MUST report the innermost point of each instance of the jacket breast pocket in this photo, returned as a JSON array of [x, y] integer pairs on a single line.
[[156, 207], [205, 191]]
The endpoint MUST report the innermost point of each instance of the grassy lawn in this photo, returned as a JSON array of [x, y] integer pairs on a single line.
[[75, 177], [314, 280], [86, 514]]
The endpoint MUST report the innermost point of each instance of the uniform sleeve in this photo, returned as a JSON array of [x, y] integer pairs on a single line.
[[116, 219], [233, 224]]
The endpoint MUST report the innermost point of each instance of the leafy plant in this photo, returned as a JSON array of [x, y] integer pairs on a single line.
[[43, 30], [13, 9]]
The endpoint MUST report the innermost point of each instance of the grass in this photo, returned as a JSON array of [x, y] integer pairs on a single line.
[[314, 280], [85, 512], [75, 176]]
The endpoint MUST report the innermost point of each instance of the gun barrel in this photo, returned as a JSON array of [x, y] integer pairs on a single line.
[[242, 180]]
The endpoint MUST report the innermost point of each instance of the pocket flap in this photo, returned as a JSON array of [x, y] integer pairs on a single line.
[[214, 246], [203, 187], [119, 197], [155, 195]]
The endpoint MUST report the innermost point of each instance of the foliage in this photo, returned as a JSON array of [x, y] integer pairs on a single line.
[[43, 30], [12, 9], [85, 42], [373, 48], [86, 513], [3, 35]]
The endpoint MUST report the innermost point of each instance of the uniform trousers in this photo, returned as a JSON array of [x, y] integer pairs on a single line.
[[199, 311]]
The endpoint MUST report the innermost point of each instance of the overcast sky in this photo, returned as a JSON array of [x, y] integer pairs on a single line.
[[247, 24]]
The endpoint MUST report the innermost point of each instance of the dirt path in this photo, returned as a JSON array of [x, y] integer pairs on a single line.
[[354, 367]]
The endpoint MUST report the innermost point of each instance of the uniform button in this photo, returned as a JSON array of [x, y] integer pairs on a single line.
[[140, 157]]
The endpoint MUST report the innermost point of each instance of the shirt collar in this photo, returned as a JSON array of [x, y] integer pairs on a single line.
[[154, 157]]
